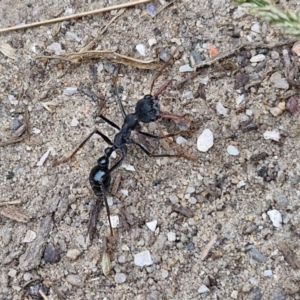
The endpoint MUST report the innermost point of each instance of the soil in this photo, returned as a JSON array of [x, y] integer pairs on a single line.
[[212, 210]]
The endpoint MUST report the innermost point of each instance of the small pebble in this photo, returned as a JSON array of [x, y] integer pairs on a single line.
[[192, 200], [152, 225], [73, 254], [257, 58], [185, 68], [191, 246], [292, 105], [152, 42], [27, 276], [190, 190], [221, 109], [143, 259], [73, 36], [232, 150], [296, 48], [240, 99], [255, 27], [281, 105], [141, 49], [70, 90], [171, 237], [51, 254], [74, 122], [174, 199], [180, 140], [122, 259], [120, 278], [203, 289], [205, 140], [275, 111], [151, 9], [275, 217], [12, 272], [164, 273], [29, 237], [15, 124], [241, 184], [75, 280], [268, 273], [256, 255], [115, 221], [272, 135], [234, 294], [187, 95]]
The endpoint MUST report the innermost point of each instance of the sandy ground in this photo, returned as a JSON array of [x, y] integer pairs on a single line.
[[220, 237]]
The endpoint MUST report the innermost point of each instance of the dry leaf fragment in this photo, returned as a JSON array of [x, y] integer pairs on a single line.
[[8, 51], [15, 213]]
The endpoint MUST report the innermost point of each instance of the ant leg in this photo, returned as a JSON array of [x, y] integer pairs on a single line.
[[96, 131], [111, 123], [143, 148], [118, 97], [94, 212], [158, 137], [161, 70], [162, 88]]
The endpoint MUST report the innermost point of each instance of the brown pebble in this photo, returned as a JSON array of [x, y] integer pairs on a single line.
[[275, 111], [75, 280], [292, 105]]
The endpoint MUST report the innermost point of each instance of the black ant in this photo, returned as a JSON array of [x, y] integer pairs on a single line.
[[146, 111]]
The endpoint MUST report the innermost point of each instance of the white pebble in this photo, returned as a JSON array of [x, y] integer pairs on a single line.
[[187, 95], [36, 130], [192, 200], [152, 225], [272, 135], [203, 289], [185, 68], [275, 217], [120, 278], [12, 273], [74, 122], [152, 42], [180, 140], [73, 36], [268, 273], [190, 190], [296, 48], [255, 28], [240, 99], [171, 237], [249, 112], [29, 237], [143, 259], [164, 273], [205, 140], [128, 167], [221, 109], [241, 184], [141, 49], [174, 198], [232, 150], [124, 192], [70, 90], [257, 58], [114, 221]]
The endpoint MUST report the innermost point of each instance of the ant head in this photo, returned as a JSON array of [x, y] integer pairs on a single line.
[[147, 109]]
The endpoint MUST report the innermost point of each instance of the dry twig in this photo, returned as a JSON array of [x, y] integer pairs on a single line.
[[79, 15]]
